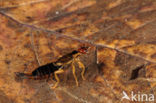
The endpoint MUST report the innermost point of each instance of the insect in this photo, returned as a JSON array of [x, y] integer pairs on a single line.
[[57, 67]]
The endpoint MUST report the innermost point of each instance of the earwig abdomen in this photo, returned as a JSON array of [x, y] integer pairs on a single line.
[[45, 70], [40, 72]]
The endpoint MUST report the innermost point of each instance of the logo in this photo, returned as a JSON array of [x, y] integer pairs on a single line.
[[141, 97]]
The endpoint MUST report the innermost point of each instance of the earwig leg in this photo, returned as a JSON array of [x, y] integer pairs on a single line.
[[81, 65], [73, 68], [56, 77]]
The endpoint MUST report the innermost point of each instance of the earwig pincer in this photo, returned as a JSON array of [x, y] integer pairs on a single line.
[[57, 67]]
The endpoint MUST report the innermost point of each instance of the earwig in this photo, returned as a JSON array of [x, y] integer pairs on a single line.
[[57, 67]]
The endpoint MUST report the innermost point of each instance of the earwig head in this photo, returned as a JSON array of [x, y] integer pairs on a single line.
[[83, 50]]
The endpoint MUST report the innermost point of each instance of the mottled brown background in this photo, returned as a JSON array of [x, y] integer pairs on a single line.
[[121, 34]]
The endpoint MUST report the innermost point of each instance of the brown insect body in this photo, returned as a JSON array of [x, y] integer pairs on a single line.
[[57, 67]]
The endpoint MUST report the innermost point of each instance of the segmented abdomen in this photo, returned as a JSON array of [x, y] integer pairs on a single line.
[[45, 70]]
